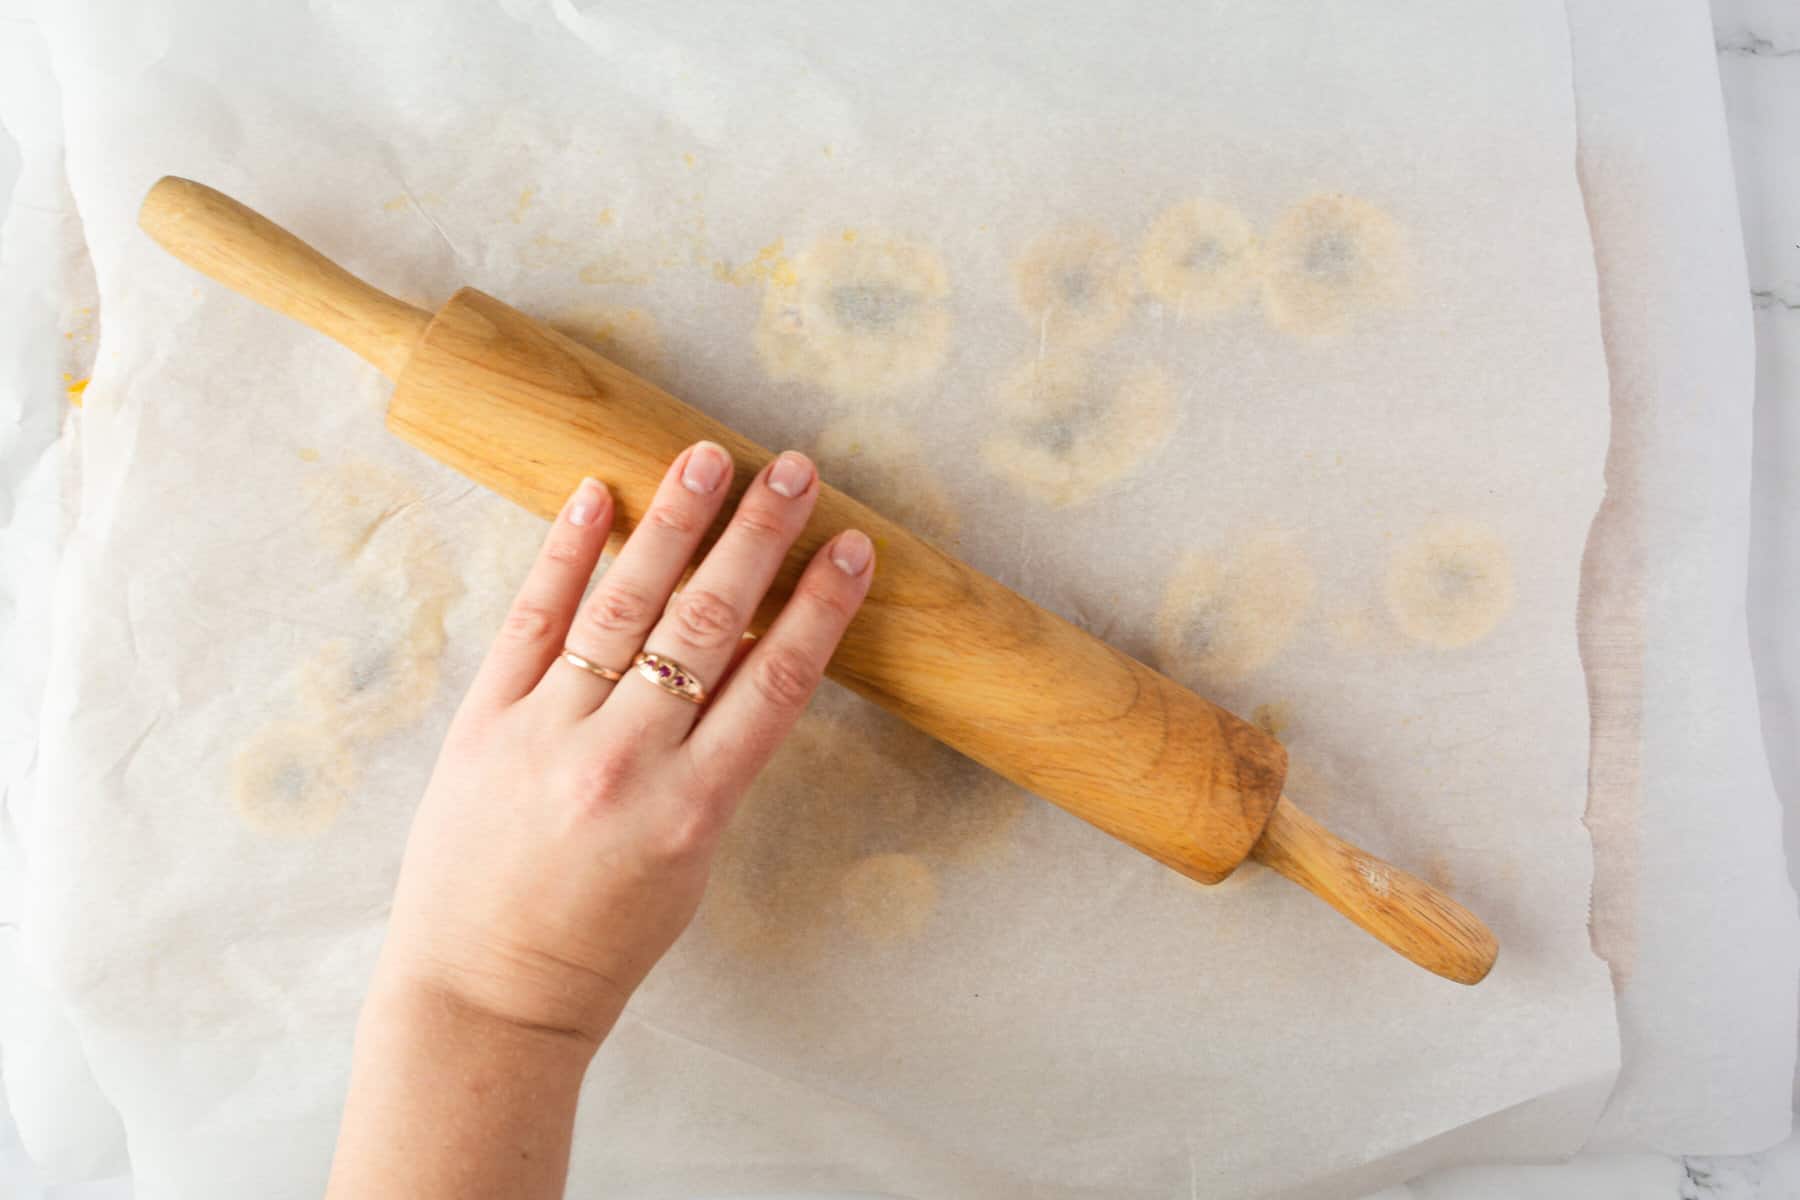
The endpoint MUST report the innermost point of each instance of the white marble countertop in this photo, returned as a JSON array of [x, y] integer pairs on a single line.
[[1759, 63]]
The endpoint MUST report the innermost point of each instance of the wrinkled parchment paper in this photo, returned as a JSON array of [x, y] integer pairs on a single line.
[[1202, 330], [1692, 905], [48, 341]]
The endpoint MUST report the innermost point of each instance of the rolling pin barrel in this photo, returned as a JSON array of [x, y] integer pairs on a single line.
[[528, 412]]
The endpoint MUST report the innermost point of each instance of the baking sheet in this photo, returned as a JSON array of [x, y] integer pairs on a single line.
[[700, 199]]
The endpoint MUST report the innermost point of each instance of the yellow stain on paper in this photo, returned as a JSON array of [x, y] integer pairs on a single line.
[[888, 897], [405, 201], [614, 270], [293, 777], [1223, 617], [1351, 626], [1450, 583], [1200, 258], [874, 457], [1069, 434], [75, 388], [770, 265], [1073, 286], [861, 318], [624, 260], [627, 336], [851, 830], [1328, 261], [544, 251]]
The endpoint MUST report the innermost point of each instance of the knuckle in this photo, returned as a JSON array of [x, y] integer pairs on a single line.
[[832, 600], [705, 619], [785, 677], [527, 622], [620, 608], [706, 788], [688, 830], [671, 518], [564, 552], [602, 781], [761, 525]]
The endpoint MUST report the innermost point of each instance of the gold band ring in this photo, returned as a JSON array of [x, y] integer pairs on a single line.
[[670, 676], [593, 668]]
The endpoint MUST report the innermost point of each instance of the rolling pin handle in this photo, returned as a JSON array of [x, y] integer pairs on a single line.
[[248, 253], [1406, 914]]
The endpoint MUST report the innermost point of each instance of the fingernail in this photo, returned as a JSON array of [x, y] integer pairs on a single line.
[[586, 502], [852, 551], [707, 467], [792, 475]]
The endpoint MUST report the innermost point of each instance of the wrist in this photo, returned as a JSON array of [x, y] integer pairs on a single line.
[[447, 1098], [454, 1015]]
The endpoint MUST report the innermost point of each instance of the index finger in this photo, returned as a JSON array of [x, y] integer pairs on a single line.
[[741, 727], [532, 635]]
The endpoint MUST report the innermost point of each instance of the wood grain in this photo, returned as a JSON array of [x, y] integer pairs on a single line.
[[528, 412], [248, 253], [1406, 914]]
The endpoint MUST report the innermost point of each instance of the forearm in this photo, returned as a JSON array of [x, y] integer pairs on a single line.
[[447, 1101]]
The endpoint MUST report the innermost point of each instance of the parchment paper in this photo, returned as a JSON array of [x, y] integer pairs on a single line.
[[1692, 904], [964, 257], [48, 341]]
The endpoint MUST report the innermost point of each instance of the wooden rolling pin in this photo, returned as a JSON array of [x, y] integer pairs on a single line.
[[525, 411]]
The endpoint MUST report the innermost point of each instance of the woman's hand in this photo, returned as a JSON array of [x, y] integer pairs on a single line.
[[566, 834], [568, 829]]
